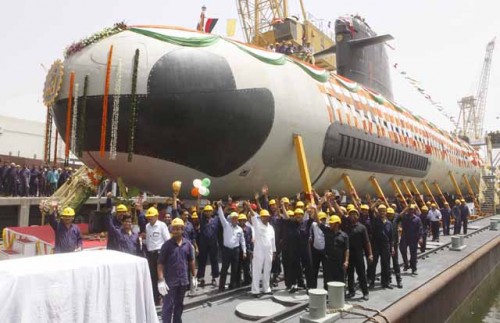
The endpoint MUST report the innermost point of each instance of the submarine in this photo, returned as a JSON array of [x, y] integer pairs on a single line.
[[195, 105]]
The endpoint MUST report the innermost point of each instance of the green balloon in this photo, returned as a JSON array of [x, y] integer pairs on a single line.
[[206, 182], [207, 192]]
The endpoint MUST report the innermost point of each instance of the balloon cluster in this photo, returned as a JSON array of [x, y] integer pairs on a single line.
[[201, 187]]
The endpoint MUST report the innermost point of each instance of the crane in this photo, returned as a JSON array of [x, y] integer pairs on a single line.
[[472, 108], [265, 22]]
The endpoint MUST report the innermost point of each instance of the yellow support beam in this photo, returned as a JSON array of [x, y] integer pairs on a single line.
[[416, 191], [407, 190], [471, 192], [302, 161], [438, 189], [455, 184], [428, 191], [398, 192], [378, 189], [352, 190], [476, 183]]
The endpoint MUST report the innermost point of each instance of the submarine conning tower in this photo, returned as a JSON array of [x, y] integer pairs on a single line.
[[361, 55]]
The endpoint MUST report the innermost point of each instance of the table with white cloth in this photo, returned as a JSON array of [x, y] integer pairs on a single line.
[[94, 286]]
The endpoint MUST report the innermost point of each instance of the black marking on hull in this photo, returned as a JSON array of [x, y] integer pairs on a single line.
[[349, 148], [193, 115]]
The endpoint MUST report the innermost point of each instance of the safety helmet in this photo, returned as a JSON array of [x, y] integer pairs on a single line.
[[264, 212], [382, 207], [334, 219], [194, 215], [457, 201], [322, 215], [285, 200], [233, 215], [390, 210], [121, 208], [424, 208], [365, 207], [272, 202], [208, 208], [68, 212], [152, 211], [177, 222], [290, 213], [350, 206], [299, 204], [242, 217], [298, 212]]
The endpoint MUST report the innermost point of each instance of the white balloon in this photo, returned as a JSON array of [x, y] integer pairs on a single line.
[[202, 190], [197, 183]]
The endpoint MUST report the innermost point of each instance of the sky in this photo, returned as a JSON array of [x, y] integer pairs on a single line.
[[439, 43]]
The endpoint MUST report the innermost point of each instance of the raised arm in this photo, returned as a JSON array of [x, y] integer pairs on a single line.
[[220, 212]]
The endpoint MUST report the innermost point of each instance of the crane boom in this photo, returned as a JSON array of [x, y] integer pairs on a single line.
[[470, 123], [482, 91], [257, 17]]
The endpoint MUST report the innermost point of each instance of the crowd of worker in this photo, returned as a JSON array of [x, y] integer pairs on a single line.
[[304, 53], [265, 237], [23, 181]]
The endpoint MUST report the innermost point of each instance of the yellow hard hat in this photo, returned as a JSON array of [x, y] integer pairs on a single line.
[[322, 215], [299, 204], [298, 211], [152, 211], [68, 212], [121, 208], [285, 200], [350, 206], [194, 215], [462, 200], [242, 217], [264, 212], [208, 208], [233, 215], [382, 207], [412, 206], [433, 205], [334, 219], [428, 202], [290, 213], [457, 201], [424, 208], [364, 207], [446, 203], [272, 202], [177, 222], [353, 210], [390, 210]]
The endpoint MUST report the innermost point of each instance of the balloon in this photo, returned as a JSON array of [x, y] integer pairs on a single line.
[[206, 182], [176, 186], [203, 190], [195, 192], [197, 183], [207, 192]]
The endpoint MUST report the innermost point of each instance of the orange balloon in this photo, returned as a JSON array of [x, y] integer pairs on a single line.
[[195, 192]]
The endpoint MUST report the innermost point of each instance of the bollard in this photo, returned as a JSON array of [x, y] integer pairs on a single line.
[[317, 303], [457, 243], [494, 224], [336, 295]]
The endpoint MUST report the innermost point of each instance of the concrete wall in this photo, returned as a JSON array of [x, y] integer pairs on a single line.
[[437, 300]]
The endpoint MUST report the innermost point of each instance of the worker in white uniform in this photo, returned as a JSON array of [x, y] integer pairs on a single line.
[[264, 251]]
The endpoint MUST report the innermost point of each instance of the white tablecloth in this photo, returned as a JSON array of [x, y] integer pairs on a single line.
[[94, 286]]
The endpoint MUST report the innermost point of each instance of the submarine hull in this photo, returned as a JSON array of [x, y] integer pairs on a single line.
[[228, 112]]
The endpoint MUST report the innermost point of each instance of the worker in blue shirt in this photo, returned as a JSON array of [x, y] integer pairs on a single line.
[[244, 264], [446, 215], [457, 216], [176, 258], [116, 221], [464, 215], [209, 230], [383, 238], [126, 240], [68, 236], [412, 235]]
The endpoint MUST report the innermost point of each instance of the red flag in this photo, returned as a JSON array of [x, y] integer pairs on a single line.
[[209, 26]]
